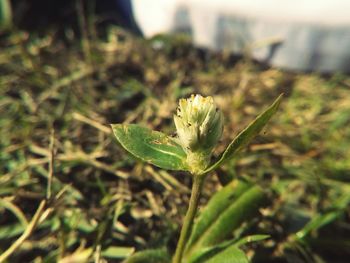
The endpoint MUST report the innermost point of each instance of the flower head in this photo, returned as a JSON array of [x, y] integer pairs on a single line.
[[199, 124]]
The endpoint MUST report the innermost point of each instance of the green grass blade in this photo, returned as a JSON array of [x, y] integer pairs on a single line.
[[320, 220], [151, 146], [247, 134], [316, 223]]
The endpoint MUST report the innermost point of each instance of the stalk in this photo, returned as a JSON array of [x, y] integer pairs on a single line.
[[189, 218]]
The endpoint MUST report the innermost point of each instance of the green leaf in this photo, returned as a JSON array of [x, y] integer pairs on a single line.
[[149, 256], [208, 252], [247, 134], [231, 254], [151, 146], [225, 212], [204, 254], [217, 204]]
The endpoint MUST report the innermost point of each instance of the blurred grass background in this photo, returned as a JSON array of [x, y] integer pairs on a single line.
[[59, 91]]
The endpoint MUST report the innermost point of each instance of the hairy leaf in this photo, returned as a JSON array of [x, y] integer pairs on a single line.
[[203, 254], [151, 146], [247, 134], [218, 203], [231, 254], [229, 212]]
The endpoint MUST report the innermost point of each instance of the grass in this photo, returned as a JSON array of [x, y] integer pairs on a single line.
[[56, 106]]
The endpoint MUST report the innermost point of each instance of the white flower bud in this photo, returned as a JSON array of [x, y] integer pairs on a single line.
[[199, 126]]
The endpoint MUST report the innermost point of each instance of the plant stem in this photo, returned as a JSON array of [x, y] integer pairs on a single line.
[[189, 218]]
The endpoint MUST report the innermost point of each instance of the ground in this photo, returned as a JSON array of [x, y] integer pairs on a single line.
[[60, 93]]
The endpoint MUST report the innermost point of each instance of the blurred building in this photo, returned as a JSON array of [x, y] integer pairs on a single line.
[[311, 35]]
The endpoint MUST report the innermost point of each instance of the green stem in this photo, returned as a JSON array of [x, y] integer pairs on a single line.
[[189, 218]]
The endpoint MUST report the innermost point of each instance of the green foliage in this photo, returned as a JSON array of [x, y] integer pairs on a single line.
[[318, 221], [215, 251], [218, 203], [247, 134], [5, 14], [224, 252], [195, 117], [117, 252], [232, 217], [236, 203], [231, 254], [149, 256], [303, 156], [151, 146]]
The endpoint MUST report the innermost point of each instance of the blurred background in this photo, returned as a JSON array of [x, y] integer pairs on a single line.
[[70, 68]]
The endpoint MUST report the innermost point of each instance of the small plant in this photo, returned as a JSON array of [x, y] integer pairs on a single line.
[[199, 126]]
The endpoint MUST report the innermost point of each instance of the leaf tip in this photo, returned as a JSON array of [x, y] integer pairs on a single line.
[[279, 99]]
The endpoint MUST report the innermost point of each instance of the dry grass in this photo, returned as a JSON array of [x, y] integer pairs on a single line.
[[105, 204]]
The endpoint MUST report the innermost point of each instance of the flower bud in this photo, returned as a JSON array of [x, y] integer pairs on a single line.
[[199, 126]]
